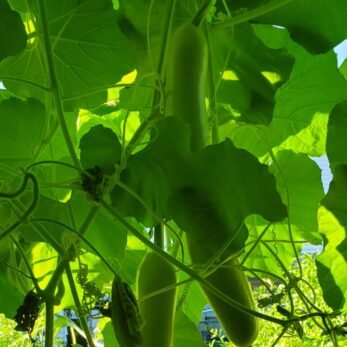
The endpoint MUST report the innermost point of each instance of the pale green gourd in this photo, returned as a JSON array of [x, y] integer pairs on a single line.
[[157, 311], [185, 98]]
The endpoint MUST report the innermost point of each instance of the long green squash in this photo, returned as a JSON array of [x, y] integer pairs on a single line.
[[126, 320], [185, 98], [185, 81], [157, 311]]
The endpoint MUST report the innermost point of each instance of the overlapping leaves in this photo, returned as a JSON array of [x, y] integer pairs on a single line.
[[84, 49], [332, 263], [12, 33]]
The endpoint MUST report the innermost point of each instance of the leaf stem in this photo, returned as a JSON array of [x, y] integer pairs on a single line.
[[279, 336], [56, 162], [252, 14], [291, 237], [158, 218], [23, 81], [78, 305], [159, 235], [212, 107], [256, 243], [90, 245], [27, 264], [55, 90], [200, 16], [155, 114], [30, 209]]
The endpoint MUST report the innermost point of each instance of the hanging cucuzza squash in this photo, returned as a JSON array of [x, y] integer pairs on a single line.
[[157, 309], [185, 98]]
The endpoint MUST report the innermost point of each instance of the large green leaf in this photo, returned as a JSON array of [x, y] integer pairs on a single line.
[[309, 21], [186, 333], [337, 139], [248, 73], [304, 102], [109, 336], [332, 263], [100, 147], [104, 233], [298, 180], [13, 298], [89, 52], [22, 130], [146, 24], [55, 148], [19, 5], [221, 186], [12, 33], [147, 172], [276, 240]]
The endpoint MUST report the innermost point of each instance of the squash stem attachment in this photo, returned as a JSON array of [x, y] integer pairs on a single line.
[[159, 235], [203, 11], [30, 209]]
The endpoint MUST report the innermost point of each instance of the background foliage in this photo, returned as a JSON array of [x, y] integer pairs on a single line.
[[89, 164]]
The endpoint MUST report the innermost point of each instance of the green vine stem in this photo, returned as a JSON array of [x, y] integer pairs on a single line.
[[177, 244], [155, 114], [256, 243], [159, 235], [214, 262], [21, 189], [105, 87], [187, 281], [268, 273], [193, 274], [266, 285], [30, 209], [49, 328], [293, 284], [2, 261], [27, 264], [16, 204], [23, 81], [278, 338], [54, 84], [78, 305], [159, 219], [291, 237], [75, 232], [202, 13], [212, 107], [48, 296], [252, 14], [124, 155], [56, 162], [168, 19], [63, 264]]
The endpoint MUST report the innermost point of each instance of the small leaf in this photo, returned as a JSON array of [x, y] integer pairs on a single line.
[[220, 187], [186, 332], [12, 32], [100, 147], [21, 131], [301, 19], [332, 263], [13, 298], [300, 119], [89, 53], [337, 139], [148, 172]]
